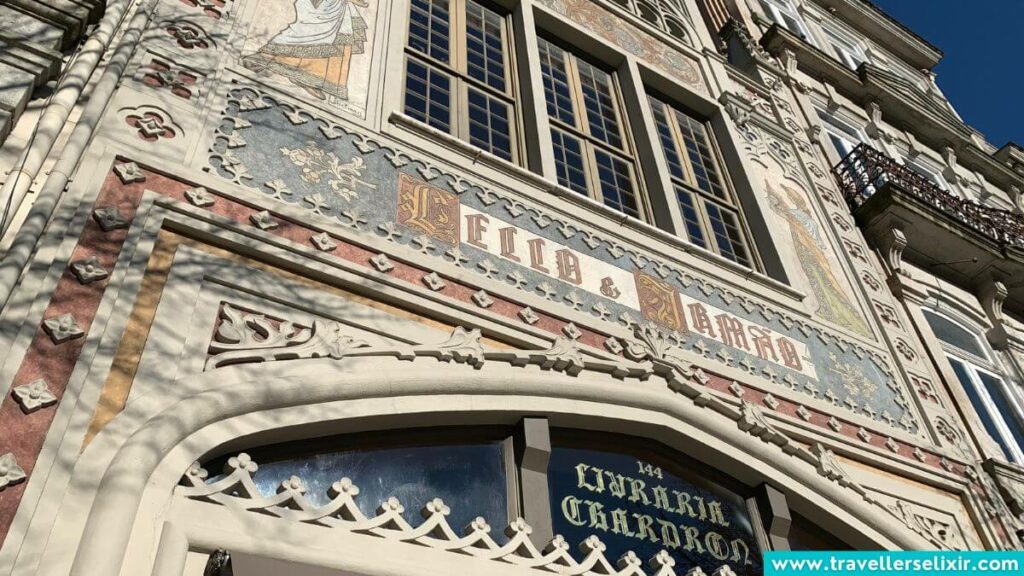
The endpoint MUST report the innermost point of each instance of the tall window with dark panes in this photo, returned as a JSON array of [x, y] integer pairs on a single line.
[[707, 205], [588, 132], [460, 83]]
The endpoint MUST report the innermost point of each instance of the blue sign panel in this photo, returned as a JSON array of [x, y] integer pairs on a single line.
[[635, 504]]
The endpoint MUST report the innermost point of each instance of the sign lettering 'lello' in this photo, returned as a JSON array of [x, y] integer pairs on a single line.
[[438, 214]]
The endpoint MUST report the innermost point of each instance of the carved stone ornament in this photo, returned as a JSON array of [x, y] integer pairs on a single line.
[[129, 172], [991, 295], [62, 328], [237, 490], [829, 466], [874, 127], [482, 299], [891, 243], [572, 331], [33, 396], [528, 315], [10, 472], [434, 282], [382, 263], [263, 220], [88, 270], [323, 242], [110, 218], [752, 420], [200, 197]]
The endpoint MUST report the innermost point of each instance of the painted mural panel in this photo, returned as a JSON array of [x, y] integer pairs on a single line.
[[376, 189], [823, 276], [631, 39], [321, 47], [806, 248]]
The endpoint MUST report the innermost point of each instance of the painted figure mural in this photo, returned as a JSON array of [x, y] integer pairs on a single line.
[[830, 292], [315, 51]]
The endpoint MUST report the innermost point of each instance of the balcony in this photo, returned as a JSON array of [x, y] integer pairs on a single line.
[[955, 238]]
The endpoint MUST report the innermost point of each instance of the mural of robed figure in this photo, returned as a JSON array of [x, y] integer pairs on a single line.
[[315, 51]]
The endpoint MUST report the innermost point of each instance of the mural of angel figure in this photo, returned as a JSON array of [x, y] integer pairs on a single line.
[[315, 50], [831, 293]]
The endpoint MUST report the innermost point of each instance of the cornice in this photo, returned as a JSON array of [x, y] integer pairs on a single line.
[[904, 106], [886, 30]]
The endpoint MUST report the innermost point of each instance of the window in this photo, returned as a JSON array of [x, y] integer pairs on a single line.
[[457, 76], [843, 135], [989, 393], [928, 170], [467, 468], [707, 205], [588, 133], [845, 48], [783, 13]]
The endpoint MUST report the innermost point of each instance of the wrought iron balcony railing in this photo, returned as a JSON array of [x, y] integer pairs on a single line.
[[866, 170]]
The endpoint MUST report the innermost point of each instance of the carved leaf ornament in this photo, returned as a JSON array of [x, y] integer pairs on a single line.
[[246, 337]]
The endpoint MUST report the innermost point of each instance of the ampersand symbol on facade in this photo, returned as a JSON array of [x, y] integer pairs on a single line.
[[609, 289]]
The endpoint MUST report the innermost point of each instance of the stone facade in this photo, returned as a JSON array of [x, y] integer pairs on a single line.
[[245, 243]]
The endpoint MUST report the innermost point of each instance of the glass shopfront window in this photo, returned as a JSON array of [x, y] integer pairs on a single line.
[[465, 469], [646, 501], [634, 494]]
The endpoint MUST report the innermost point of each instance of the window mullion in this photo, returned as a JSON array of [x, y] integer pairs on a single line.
[[705, 219], [572, 71], [681, 150]]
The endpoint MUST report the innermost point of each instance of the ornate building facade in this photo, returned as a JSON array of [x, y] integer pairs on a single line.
[[367, 287]]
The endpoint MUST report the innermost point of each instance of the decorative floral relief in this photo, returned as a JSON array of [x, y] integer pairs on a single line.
[[632, 39], [344, 178]]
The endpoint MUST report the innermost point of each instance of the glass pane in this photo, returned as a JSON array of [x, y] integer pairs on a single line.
[[485, 58], [488, 124], [616, 184], [699, 153], [961, 371], [556, 82], [994, 385], [569, 161], [668, 143], [599, 102], [688, 209], [428, 95], [953, 334], [428, 28], [470, 478], [728, 235], [645, 503]]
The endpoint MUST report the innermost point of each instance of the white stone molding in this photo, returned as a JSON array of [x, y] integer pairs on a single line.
[[117, 468]]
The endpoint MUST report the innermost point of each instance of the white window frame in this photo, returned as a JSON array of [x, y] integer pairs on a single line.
[[783, 11], [974, 366], [846, 48], [840, 128], [1007, 439]]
